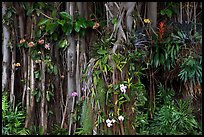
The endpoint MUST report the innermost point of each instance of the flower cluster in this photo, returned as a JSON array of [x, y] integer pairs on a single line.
[[147, 21], [123, 88], [38, 61], [17, 64], [110, 122]]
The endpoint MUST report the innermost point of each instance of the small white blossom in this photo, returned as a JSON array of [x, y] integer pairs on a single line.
[[121, 118], [108, 121], [123, 88], [113, 120], [109, 125]]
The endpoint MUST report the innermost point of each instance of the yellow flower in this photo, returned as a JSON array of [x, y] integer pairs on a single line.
[[147, 21], [17, 64]]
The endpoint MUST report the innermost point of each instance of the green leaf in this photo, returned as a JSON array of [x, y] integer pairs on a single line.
[[43, 21], [37, 74], [126, 96], [61, 22], [30, 12], [38, 33], [102, 52], [47, 96], [62, 43], [54, 13], [65, 15], [89, 23], [38, 96], [67, 28], [77, 26], [53, 27]]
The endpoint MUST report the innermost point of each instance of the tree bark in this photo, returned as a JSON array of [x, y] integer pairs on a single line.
[[129, 20], [5, 52], [152, 13], [71, 62]]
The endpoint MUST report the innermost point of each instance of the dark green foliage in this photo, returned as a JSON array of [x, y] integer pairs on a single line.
[[191, 70], [57, 130], [101, 92], [12, 120], [86, 120], [173, 117]]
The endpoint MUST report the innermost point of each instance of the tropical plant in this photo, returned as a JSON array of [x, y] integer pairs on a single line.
[[12, 121], [173, 117]]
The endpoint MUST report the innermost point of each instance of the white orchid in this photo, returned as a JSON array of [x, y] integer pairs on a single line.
[[123, 88], [121, 118]]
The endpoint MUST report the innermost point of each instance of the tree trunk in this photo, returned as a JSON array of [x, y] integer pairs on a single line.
[[5, 52], [43, 97], [152, 13], [13, 60], [71, 62], [129, 20]]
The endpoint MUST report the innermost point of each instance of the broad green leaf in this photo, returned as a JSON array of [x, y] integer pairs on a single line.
[[61, 22], [54, 13], [77, 27], [53, 27], [38, 33], [62, 43], [38, 96], [102, 52], [30, 12], [65, 15], [89, 23], [43, 21]]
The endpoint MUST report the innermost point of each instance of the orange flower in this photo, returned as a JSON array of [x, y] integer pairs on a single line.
[[30, 44], [96, 25]]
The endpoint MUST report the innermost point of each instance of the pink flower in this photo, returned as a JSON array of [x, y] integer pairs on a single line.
[[41, 41], [74, 94], [47, 46], [31, 44]]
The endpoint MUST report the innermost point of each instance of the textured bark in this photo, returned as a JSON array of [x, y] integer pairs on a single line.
[[129, 20], [152, 13], [5, 52], [43, 107], [13, 60], [71, 62]]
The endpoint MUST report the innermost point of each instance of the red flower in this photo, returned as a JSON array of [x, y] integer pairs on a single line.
[[161, 30]]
